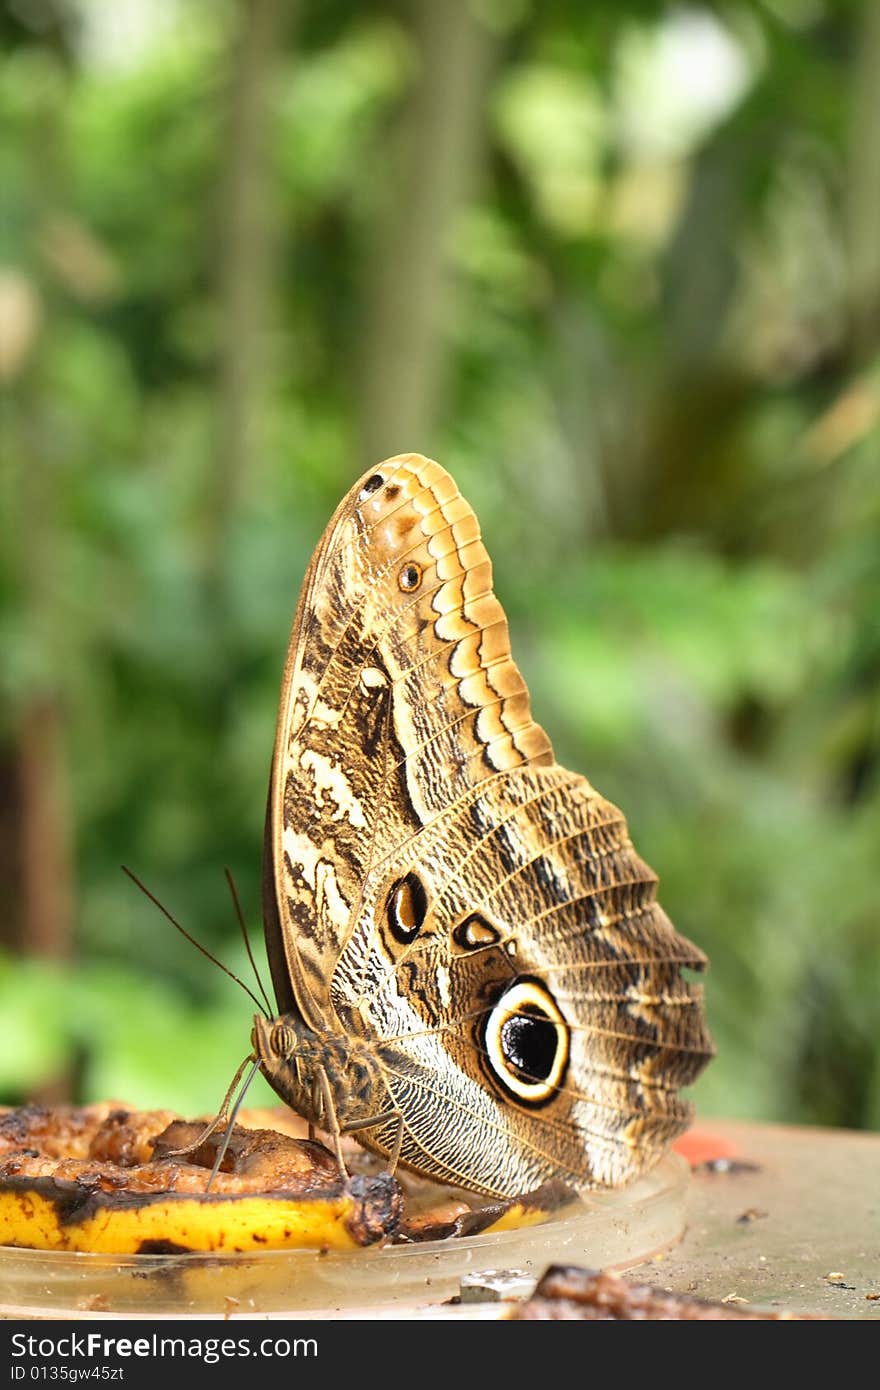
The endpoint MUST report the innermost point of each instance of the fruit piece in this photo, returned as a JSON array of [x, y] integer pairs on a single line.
[[106, 1179]]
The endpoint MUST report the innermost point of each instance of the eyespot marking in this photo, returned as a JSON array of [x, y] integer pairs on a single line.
[[526, 1040], [475, 932], [370, 486], [410, 577], [392, 491], [406, 906]]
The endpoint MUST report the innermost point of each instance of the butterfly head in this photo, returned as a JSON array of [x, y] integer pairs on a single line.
[[295, 1060], [283, 1046]]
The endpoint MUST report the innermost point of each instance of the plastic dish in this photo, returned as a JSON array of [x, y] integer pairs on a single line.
[[608, 1229]]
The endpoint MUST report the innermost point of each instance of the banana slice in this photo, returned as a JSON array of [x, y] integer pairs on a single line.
[[102, 1178]]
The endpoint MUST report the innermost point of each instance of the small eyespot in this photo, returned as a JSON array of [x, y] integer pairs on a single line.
[[406, 906], [410, 577], [392, 491], [281, 1040], [475, 932], [526, 1040], [370, 486]]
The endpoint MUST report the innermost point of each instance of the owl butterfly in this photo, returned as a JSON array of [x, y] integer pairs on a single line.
[[471, 969]]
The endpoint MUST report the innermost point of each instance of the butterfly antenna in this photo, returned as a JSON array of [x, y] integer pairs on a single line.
[[218, 1120], [230, 1124], [191, 939], [246, 938]]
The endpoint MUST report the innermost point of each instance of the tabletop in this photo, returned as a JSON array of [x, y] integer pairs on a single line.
[[788, 1218]]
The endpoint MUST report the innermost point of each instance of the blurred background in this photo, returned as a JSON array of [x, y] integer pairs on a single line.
[[617, 265]]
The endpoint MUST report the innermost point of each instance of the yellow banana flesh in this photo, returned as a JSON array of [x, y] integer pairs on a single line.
[[34, 1216]]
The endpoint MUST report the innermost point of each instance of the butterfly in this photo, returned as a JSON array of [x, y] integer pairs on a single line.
[[472, 972]]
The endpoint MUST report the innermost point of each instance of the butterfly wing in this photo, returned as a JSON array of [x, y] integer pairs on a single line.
[[437, 885], [392, 697]]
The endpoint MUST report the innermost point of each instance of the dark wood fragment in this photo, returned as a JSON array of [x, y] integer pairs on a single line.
[[566, 1293]]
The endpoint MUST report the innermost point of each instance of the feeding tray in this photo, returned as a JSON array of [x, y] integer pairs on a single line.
[[446, 1234]]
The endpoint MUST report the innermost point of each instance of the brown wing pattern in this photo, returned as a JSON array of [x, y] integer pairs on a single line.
[[537, 1023], [392, 702], [546, 864]]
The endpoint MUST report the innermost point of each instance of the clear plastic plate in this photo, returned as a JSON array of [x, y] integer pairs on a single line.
[[608, 1229]]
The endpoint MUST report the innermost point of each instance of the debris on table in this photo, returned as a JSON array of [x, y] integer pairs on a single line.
[[496, 1286], [567, 1293]]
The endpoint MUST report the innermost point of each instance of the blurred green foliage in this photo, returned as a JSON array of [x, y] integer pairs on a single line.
[[655, 372]]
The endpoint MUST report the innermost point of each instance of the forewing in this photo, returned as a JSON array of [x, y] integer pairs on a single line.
[[399, 695]]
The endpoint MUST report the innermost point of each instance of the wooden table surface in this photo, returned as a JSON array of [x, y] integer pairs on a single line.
[[797, 1226]]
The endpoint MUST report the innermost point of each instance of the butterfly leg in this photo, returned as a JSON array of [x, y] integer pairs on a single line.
[[323, 1105], [219, 1119], [330, 1119], [316, 1100], [383, 1119]]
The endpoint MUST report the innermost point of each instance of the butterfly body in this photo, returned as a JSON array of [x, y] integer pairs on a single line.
[[297, 1056], [464, 945]]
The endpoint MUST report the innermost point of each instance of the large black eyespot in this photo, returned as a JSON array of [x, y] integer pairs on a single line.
[[529, 1044], [526, 1040], [406, 907], [371, 485]]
